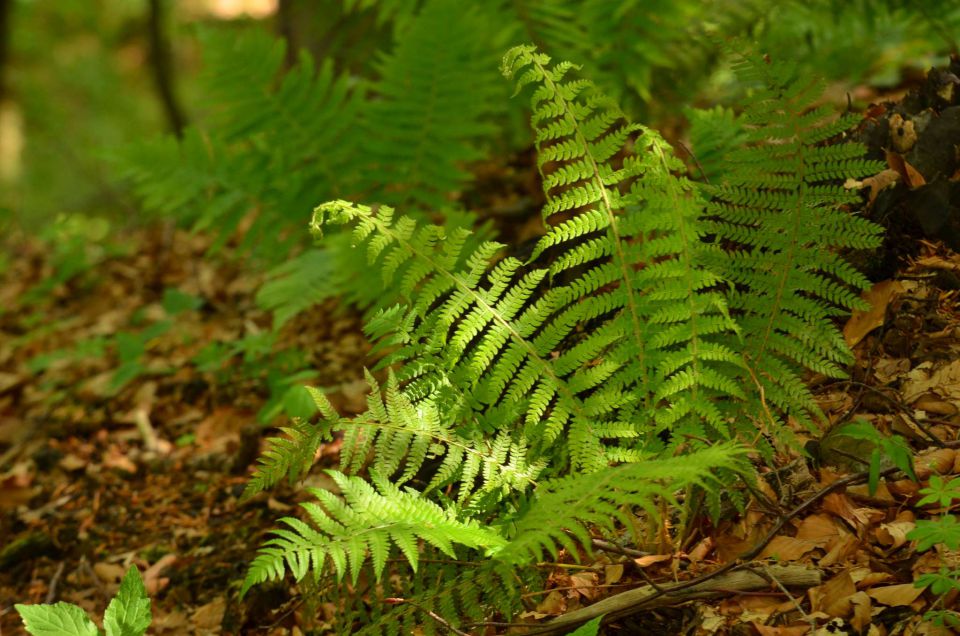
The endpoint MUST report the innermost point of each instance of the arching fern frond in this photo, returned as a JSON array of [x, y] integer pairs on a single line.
[[366, 524], [626, 230], [397, 436], [291, 456]]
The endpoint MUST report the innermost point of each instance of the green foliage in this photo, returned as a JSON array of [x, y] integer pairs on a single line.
[[590, 628], [894, 449], [943, 530], [128, 614], [778, 212], [525, 402]]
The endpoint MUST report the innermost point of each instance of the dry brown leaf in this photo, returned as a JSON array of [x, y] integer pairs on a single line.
[[650, 559], [910, 175], [151, 577], [863, 322], [789, 549], [876, 183], [841, 550], [841, 506], [553, 604], [894, 535], [818, 527], [109, 572], [861, 611], [833, 597], [772, 630], [208, 617], [895, 595], [942, 380], [937, 461], [585, 584]]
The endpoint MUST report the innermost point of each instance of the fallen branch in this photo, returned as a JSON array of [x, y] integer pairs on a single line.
[[746, 579]]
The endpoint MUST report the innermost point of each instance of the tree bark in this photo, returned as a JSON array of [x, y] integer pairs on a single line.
[[161, 65], [6, 12]]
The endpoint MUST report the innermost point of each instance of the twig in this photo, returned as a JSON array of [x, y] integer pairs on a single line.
[[606, 546], [52, 590]]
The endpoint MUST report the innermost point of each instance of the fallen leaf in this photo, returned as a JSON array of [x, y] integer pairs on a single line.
[[863, 322], [612, 573], [151, 577], [895, 595], [894, 535], [208, 617], [910, 175], [789, 549], [861, 611], [833, 597], [936, 461], [585, 584], [650, 559], [553, 604], [109, 572], [879, 181], [772, 630]]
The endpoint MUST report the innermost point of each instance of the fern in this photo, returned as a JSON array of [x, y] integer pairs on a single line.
[[523, 399], [368, 522], [779, 209]]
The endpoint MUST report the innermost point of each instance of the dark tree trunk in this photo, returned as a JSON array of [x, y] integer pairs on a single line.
[[6, 10], [161, 65], [286, 30]]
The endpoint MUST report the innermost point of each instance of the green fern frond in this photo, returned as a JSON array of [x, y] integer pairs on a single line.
[[398, 436], [368, 523], [437, 99], [565, 509], [276, 141], [292, 456], [631, 240], [779, 207]]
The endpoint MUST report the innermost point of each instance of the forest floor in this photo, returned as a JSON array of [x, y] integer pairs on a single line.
[[126, 438]]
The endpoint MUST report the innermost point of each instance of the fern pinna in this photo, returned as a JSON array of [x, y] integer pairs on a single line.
[[523, 399]]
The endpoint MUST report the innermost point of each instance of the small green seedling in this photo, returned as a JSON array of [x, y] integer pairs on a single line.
[[128, 614]]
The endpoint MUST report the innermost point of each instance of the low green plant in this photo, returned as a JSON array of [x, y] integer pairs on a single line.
[[658, 327], [943, 530], [128, 614]]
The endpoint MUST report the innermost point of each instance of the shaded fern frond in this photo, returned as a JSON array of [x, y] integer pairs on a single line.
[[278, 141], [437, 98], [292, 456], [367, 524], [779, 208]]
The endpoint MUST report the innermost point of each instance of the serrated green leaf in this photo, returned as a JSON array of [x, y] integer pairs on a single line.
[[59, 619], [128, 614]]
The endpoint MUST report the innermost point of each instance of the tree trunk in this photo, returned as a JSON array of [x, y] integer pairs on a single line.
[[161, 65]]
